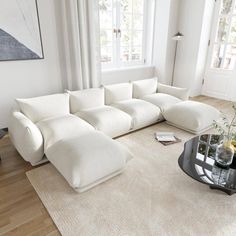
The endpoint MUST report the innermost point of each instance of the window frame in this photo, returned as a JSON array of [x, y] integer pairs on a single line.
[[226, 43], [116, 62]]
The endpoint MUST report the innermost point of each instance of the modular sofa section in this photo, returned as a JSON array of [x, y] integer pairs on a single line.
[[111, 121], [88, 160], [89, 105], [194, 117], [143, 113]]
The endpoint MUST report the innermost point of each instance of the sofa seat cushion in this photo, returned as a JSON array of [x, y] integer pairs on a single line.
[[61, 128], [192, 116], [89, 159], [107, 119], [163, 101], [143, 113]]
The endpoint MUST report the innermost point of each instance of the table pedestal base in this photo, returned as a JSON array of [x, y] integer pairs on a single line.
[[229, 192]]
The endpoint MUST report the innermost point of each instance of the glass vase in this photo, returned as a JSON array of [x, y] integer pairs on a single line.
[[224, 153]]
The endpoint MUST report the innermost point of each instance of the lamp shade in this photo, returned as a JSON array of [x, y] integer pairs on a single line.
[[178, 36]]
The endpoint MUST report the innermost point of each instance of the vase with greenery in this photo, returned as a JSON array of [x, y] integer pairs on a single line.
[[226, 127]]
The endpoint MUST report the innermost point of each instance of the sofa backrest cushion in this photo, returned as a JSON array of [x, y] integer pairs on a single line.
[[40, 108], [85, 99], [144, 87], [118, 92], [181, 93]]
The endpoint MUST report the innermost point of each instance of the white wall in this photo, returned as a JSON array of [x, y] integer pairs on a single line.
[[166, 26], [162, 19], [126, 75], [33, 77], [203, 47], [194, 22], [173, 29]]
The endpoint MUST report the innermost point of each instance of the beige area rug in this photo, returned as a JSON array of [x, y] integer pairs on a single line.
[[152, 197]]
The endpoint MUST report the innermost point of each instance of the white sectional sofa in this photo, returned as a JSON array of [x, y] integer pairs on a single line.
[[90, 106], [142, 113], [42, 124]]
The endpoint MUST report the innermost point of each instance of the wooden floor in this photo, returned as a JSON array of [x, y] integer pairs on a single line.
[[21, 211]]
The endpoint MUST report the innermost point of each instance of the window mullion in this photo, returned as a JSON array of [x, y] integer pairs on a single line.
[[132, 33], [118, 20], [228, 32], [213, 37], [145, 27], [114, 25]]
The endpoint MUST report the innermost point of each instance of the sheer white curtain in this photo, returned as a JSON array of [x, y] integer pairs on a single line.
[[84, 43]]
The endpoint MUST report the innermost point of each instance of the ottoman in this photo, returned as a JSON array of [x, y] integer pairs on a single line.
[[194, 117], [89, 159]]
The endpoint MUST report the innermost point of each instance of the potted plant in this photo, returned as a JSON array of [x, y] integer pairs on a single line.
[[226, 127]]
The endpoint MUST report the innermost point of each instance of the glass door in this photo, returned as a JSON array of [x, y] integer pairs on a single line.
[[220, 70]]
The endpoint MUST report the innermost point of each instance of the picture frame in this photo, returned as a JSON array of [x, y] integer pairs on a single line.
[[20, 31]]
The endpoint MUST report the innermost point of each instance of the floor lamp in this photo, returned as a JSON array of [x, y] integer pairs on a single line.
[[177, 37]]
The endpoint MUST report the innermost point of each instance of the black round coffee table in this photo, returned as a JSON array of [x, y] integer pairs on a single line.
[[198, 161]]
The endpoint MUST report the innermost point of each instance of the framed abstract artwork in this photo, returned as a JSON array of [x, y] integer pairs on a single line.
[[20, 35]]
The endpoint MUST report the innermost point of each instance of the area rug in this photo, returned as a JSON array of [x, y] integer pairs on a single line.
[[152, 197]]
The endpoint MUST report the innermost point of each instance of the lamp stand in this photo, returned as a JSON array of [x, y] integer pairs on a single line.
[[173, 72], [177, 37]]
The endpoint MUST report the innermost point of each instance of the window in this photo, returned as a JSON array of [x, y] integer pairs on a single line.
[[122, 32], [224, 49]]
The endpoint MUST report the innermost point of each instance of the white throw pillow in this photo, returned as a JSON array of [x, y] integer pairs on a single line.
[[144, 87], [62, 128], [118, 92], [86, 99], [40, 108], [181, 93]]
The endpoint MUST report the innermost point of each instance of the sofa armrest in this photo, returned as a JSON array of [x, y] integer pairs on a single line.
[[181, 93], [26, 137]]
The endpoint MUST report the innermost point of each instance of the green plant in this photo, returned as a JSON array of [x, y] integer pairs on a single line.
[[226, 126]]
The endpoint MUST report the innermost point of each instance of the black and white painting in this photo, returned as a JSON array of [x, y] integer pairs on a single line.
[[20, 36]]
